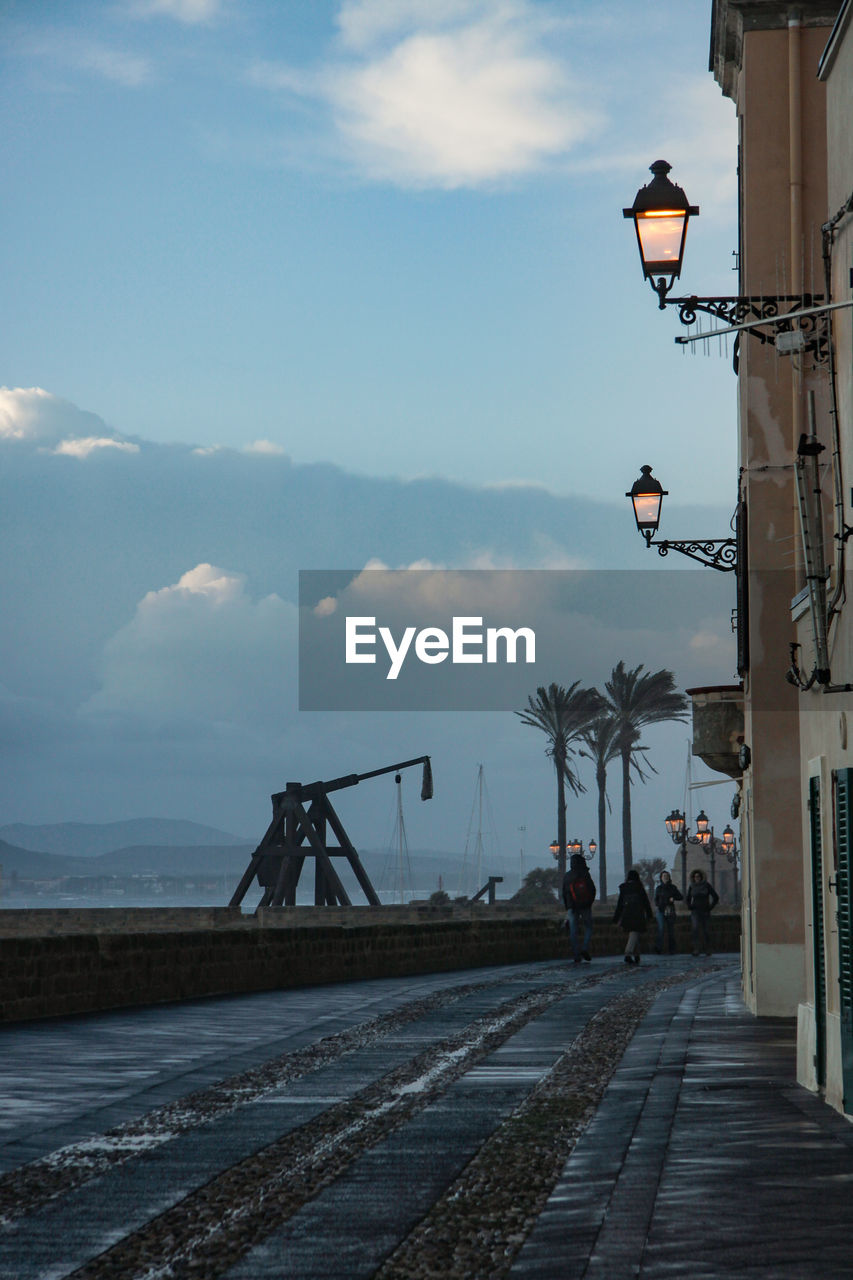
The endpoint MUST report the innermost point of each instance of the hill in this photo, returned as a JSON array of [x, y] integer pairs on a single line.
[[91, 839]]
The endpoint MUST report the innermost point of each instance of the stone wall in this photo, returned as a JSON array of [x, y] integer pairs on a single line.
[[49, 973]]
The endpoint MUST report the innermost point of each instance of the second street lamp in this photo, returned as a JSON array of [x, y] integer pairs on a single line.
[[647, 495]]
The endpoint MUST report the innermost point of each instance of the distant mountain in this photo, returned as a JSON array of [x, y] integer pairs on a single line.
[[172, 860], [33, 865], [168, 860], [227, 858], [91, 839]]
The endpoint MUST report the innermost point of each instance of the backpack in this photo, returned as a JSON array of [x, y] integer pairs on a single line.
[[582, 892]]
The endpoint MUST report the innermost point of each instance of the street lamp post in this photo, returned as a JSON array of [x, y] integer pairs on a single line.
[[647, 495], [661, 213], [709, 842], [730, 849], [677, 830]]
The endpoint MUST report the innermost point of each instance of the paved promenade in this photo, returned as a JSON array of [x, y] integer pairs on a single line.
[[312, 1133]]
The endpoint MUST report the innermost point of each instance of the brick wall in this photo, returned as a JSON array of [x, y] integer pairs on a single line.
[[51, 973]]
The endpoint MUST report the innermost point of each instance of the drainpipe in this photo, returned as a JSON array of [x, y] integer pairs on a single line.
[[795, 198]]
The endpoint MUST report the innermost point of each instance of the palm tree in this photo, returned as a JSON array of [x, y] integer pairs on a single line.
[[637, 698], [602, 744], [562, 715]]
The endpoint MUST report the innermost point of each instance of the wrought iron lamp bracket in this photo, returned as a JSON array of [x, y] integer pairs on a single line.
[[739, 310], [715, 553]]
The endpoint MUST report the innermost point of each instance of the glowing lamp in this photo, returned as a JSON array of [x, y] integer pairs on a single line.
[[661, 212]]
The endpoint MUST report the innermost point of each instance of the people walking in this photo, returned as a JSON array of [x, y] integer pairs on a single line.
[[633, 912], [578, 896], [666, 896], [702, 897]]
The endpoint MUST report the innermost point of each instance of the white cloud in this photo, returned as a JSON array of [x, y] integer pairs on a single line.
[[83, 446], [31, 415], [201, 649], [452, 93], [264, 447]]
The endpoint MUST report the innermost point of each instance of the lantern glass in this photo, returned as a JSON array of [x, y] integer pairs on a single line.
[[702, 823], [675, 824], [646, 494], [592, 846], [660, 213], [661, 234]]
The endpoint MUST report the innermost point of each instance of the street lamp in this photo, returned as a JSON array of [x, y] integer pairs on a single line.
[[554, 846], [574, 846], [661, 213], [730, 849], [679, 832], [647, 495], [592, 846], [705, 836]]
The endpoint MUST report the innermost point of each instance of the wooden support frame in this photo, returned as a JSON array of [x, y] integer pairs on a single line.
[[297, 833]]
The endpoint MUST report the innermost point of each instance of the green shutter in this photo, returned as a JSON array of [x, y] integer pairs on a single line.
[[843, 797], [817, 932]]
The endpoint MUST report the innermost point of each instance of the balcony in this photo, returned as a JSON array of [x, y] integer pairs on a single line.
[[718, 726]]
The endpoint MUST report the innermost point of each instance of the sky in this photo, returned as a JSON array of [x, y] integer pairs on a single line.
[[317, 285]]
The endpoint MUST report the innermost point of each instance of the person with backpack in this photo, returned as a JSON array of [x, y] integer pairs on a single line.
[[578, 897], [633, 912], [666, 896], [702, 897]]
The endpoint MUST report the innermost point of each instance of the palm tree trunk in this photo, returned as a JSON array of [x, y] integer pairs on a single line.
[[560, 765], [627, 840], [601, 779]]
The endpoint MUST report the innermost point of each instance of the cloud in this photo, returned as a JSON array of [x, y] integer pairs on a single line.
[[447, 94], [266, 447], [30, 415], [81, 448], [202, 650], [69, 49], [190, 12]]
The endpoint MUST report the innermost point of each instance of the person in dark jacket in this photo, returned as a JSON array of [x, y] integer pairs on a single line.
[[578, 897], [633, 912], [701, 900], [666, 896]]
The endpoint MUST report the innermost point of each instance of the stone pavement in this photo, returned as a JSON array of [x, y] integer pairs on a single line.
[[704, 1158]]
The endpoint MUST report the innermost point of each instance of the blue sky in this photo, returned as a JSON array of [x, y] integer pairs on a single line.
[[302, 285], [382, 232]]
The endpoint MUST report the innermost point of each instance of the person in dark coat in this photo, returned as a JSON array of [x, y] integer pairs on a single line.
[[578, 896], [633, 912], [701, 900], [666, 896]]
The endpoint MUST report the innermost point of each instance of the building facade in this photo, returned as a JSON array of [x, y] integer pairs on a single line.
[[789, 70]]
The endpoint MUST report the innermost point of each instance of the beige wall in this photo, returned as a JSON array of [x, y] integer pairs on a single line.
[[826, 718], [772, 414]]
